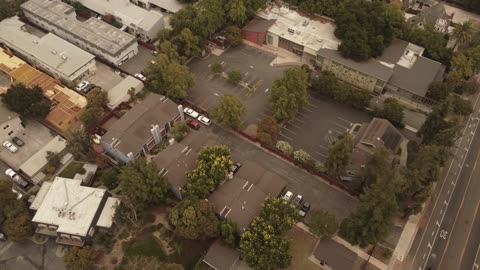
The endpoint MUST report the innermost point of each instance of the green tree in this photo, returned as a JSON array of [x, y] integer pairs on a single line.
[[229, 111], [228, 232], [80, 258], [262, 248], [234, 76], [170, 50], [435, 43], [463, 33], [210, 17], [285, 147], [461, 106], [437, 130], [217, 67], [438, 91], [339, 156], [461, 68], [195, 219], [268, 130], [79, 143], [187, 43], [19, 227], [378, 165], [150, 263], [279, 214], [179, 130], [96, 99], [26, 101], [323, 224], [236, 11], [282, 103], [234, 35], [141, 184], [392, 111], [9, 8], [109, 177]]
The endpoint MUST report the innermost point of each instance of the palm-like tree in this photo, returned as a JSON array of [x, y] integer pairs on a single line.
[[463, 34]]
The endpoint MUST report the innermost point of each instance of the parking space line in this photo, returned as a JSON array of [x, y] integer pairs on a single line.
[[307, 109], [320, 154], [290, 123], [286, 137], [348, 122], [289, 130], [344, 127], [315, 106], [323, 146]]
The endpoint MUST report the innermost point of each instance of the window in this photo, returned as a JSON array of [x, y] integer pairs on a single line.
[[269, 39]]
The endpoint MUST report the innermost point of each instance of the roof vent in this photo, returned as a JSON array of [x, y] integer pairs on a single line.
[[54, 52], [35, 41], [291, 30], [64, 57], [305, 23]]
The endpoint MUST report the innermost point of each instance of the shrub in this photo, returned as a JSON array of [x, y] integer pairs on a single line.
[[285, 147], [179, 130], [234, 76], [217, 67], [302, 156]]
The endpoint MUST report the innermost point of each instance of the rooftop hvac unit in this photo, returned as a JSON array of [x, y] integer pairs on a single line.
[[54, 52], [64, 57], [291, 30]]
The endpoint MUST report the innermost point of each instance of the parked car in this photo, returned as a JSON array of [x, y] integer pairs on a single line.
[[234, 169], [18, 194], [304, 209], [204, 120], [297, 200], [141, 77], [3, 237], [88, 88], [191, 112], [18, 142], [193, 124], [154, 53], [16, 178], [82, 86], [288, 196], [10, 147]]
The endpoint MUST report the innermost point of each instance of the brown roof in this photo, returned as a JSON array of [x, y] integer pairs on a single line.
[[335, 255], [133, 129], [221, 257], [258, 25]]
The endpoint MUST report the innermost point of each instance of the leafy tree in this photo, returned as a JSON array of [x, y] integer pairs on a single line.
[[141, 184], [234, 76], [210, 17], [282, 103], [229, 111], [278, 213], [236, 11], [253, 6], [302, 156], [179, 130], [339, 156], [78, 143], [326, 84], [187, 43], [150, 263], [461, 106], [217, 67], [96, 99], [378, 165], [9, 8], [461, 68], [435, 43], [195, 219], [80, 258], [463, 33], [268, 130], [438, 91], [228, 233], [323, 224], [285, 147], [437, 130], [262, 248], [109, 177], [234, 34], [19, 227], [170, 50], [392, 111], [26, 101]]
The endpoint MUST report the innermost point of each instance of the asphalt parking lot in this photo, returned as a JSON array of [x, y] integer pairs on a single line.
[[104, 76], [319, 124], [35, 136], [139, 62], [253, 64]]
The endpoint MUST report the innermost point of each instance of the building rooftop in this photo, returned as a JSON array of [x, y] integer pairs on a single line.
[[172, 6], [38, 160], [380, 132], [6, 114], [40, 196], [69, 206], [51, 50], [335, 255], [435, 16], [117, 94], [313, 32], [99, 34], [259, 25], [221, 257], [106, 217], [131, 132]]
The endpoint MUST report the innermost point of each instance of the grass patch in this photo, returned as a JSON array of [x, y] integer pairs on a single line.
[[146, 246], [72, 169]]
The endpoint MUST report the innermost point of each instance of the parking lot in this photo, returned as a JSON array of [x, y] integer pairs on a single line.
[[319, 124], [139, 62], [35, 136], [253, 64], [104, 76]]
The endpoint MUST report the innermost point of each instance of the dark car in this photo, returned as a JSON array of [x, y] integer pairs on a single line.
[[18, 142], [304, 209], [235, 167], [193, 124], [88, 88]]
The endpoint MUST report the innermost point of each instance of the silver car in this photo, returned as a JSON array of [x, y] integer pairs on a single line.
[[10, 147]]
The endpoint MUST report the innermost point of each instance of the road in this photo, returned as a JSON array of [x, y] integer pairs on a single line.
[[450, 237]]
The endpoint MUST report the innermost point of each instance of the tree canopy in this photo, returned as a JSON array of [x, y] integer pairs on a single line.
[[279, 214], [79, 143], [435, 43], [323, 224], [392, 110], [150, 263], [26, 101], [80, 258], [268, 130], [229, 111], [14, 214], [228, 232], [96, 99], [9, 8]]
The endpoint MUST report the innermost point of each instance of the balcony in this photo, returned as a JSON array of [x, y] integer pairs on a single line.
[[45, 231], [70, 241]]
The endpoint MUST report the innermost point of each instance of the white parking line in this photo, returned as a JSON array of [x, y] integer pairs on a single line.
[[320, 154], [337, 124], [322, 146], [348, 122], [290, 123], [303, 122], [307, 109], [286, 137], [289, 130], [311, 104]]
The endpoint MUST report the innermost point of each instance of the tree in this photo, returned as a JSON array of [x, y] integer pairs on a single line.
[[9, 8], [339, 156], [210, 17], [323, 224], [435, 43], [228, 232], [179, 130], [187, 43], [268, 130], [438, 91], [96, 99], [282, 103], [217, 67], [141, 184], [150, 263], [170, 50], [229, 111], [109, 177], [80, 258], [279, 214], [195, 219], [234, 34], [461, 68], [234, 76], [463, 33], [378, 165], [78, 143], [19, 227], [262, 248], [236, 11], [461, 106], [392, 111], [26, 101], [285, 147], [437, 130]]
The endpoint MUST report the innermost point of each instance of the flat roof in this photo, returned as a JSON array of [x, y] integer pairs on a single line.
[[221, 257], [40, 196], [93, 31], [38, 160], [69, 206], [50, 50], [106, 217], [170, 5], [335, 255], [119, 92], [6, 114], [314, 32]]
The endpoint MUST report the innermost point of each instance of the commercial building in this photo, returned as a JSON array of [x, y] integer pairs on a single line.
[[145, 24], [93, 35], [72, 213], [121, 92], [47, 52], [10, 123], [141, 128], [222, 257], [171, 6]]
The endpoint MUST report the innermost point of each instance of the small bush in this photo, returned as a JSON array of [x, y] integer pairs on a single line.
[[179, 131], [302, 156], [285, 147], [234, 76], [217, 67]]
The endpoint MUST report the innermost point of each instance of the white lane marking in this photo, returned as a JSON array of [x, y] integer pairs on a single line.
[[266, 90], [289, 130], [286, 137]]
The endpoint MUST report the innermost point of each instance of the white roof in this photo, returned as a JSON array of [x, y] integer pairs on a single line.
[[51, 50], [40, 196], [39, 159], [106, 217], [69, 206], [170, 5], [119, 93], [311, 33]]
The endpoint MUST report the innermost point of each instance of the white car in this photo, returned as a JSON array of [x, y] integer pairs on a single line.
[[141, 77], [297, 200], [191, 113], [16, 178], [288, 196], [204, 120], [82, 85], [10, 147]]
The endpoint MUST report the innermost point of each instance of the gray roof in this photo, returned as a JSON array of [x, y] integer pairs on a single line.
[[52, 51], [5, 113], [93, 31], [335, 255], [417, 79], [380, 132], [259, 25], [133, 129], [430, 15], [394, 51], [369, 67], [36, 162], [221, 257]]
